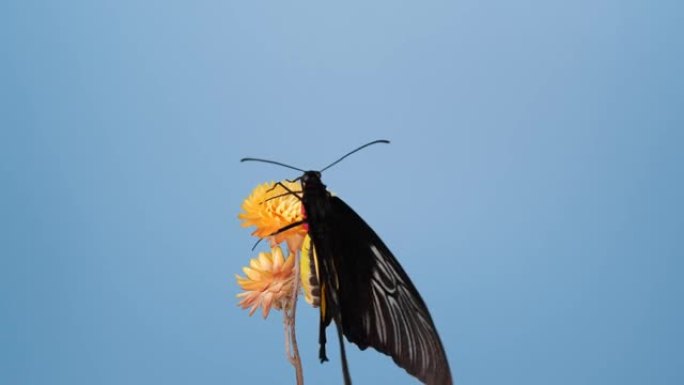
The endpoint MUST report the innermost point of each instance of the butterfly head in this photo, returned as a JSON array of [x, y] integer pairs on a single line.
[[311, 178]]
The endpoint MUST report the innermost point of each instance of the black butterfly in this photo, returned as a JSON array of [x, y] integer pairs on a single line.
[[362, 286]]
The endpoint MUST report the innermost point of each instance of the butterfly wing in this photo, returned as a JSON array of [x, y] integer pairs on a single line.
[[378, 304]]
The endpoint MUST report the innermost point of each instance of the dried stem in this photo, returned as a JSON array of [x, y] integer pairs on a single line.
[[289, 312]]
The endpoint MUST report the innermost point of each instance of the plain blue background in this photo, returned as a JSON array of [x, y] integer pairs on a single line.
[[533, 188]]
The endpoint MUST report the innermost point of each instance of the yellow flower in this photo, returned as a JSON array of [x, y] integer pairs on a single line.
[[269, 214], [268, 283]]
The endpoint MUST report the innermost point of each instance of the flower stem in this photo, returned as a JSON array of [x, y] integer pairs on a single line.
[[289, 323]]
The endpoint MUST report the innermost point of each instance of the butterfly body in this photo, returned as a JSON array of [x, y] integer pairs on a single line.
[[318, 214]]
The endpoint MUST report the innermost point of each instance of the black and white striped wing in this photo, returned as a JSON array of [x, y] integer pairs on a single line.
[[379, 305]]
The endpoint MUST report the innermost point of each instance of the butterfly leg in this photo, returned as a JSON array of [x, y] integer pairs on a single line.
[[291, 225], [322, 340], [329, 311], [282, 195], [286, 189], [280, 230], [343, 354]]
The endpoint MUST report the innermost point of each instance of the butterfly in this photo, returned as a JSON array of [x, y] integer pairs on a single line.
[[363, 289]]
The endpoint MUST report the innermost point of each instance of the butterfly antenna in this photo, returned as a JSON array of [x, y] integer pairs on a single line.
[[351, 152], [271, 162]]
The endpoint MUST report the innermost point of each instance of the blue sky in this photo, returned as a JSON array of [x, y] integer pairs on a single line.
[[533, 188]]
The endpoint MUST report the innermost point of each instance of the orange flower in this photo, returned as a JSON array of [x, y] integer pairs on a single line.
[[270, 209], [268, 283]]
